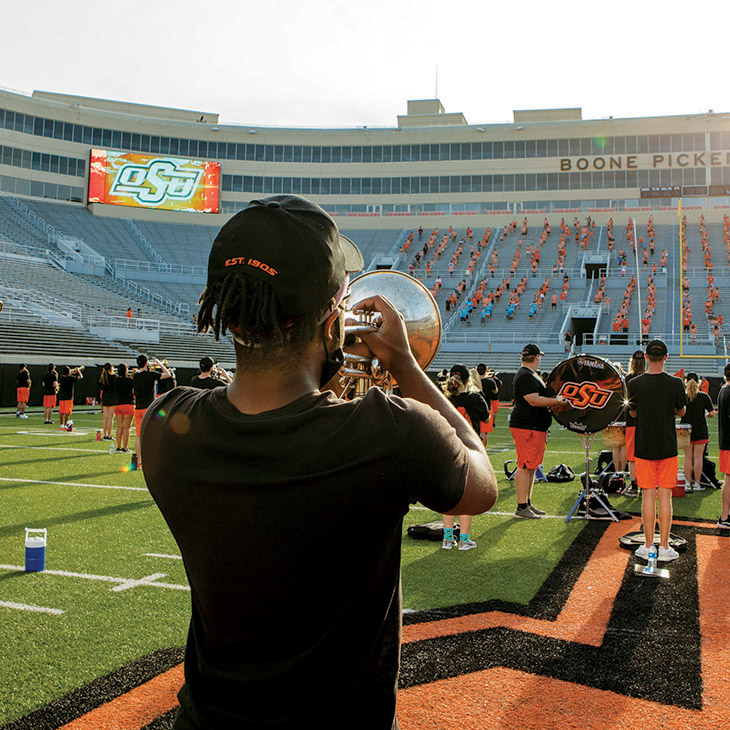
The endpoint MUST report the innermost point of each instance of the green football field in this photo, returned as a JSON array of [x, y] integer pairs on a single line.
[[114, 588]]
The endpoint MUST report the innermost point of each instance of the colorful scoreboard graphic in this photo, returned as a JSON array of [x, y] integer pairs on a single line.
[[154, 181]]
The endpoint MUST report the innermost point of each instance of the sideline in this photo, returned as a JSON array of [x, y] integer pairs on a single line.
[[72, 484]]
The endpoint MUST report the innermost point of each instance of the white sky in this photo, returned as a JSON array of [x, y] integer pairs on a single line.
[[336, 64]]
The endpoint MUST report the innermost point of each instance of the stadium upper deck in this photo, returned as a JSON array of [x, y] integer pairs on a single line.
[[431, 164]]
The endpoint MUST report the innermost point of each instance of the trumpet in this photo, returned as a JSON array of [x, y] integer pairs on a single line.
[[423, 326]]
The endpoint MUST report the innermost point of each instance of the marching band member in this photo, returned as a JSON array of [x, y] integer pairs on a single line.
[[66, 383], [22, 391], [50, 390]]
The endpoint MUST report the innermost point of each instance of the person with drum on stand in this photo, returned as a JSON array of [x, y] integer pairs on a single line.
[[637, 366], [655, 398], [698, 404], [528, 423]]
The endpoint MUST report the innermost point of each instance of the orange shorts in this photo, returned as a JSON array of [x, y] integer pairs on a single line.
[[65, 407], [138, 414], [127, 409], [662, 473], [23, 395], [530, 447], [699, 441], [49, 401], [486, 426], [630, 437], [724, 464]]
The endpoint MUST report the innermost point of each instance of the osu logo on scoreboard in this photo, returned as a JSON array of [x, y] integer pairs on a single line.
[[585, 395], [159, 180]]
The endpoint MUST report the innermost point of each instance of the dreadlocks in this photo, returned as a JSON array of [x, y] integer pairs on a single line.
[[251, 309]]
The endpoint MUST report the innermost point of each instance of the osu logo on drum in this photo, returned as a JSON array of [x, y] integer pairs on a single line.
[[585, 395]]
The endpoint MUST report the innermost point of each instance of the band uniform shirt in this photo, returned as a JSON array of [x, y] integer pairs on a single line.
[[291, 628], [723, 418], [472, 405], [695, 416], [490, 388], [108, 391], [66, 387], [166, 384], [23, 379], [523, 415], [123, 391], [144, 388], [656, 398], [50, 382], [208, 383]]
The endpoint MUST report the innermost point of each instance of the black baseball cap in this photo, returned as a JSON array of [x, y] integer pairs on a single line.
[[531, 349], [692, 376], [206, 363], [462, 372], [656, 348], [291, 243]]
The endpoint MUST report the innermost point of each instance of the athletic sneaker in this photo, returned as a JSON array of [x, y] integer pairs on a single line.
[[527, 514], [448, 544], [118, 451], [24, 415], [467, 544], [697, 487], [723, 523], [667, 554], [536, 510], [642, 552]]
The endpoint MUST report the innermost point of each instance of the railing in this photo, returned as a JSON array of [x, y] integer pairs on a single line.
[[159, 267], [143, 240]]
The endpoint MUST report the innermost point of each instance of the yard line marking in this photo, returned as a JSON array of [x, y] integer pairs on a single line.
[[54, 448], [147, 580], [27, 607], [73, 484], [128, 582], [162, 555], [493, 512]]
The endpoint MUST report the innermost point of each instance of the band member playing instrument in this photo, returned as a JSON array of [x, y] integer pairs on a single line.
[[471, 404], [637, 366], [528, 423], [699, 409], [210, 376], [166, 385], [490, 388], [310, 620], [655, 398], [723, 425], [66, 383], [124, 406], [145, 381], [22, 391], [50, 389], [108, 401]]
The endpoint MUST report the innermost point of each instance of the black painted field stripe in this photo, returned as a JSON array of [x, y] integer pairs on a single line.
[[99, 691], [163, 722]]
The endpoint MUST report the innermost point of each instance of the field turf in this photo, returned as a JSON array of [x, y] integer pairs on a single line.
[[114, 589]]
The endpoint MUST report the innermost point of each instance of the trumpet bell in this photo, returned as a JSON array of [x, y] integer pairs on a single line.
[[419, 309]]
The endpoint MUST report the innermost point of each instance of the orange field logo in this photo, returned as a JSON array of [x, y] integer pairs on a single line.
[[585, 395]]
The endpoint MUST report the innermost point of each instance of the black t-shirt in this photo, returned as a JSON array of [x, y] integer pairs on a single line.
[[523, 415], [473, 406], [655, 398], [628, 418], [23, 378], [294, 627], [66, 387], [108, 392], [144, 387], [123, 390], [50, 381], [723, 417], [490, 388], [695, 416], [206, 383], [166, 384]]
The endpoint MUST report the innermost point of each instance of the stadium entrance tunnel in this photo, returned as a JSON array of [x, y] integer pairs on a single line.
[[595, 265], [583, 322]]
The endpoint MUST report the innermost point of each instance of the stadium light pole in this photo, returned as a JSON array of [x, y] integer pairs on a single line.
[[638, 280]]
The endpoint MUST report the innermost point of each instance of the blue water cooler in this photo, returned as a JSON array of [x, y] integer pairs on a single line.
[[35, 549]]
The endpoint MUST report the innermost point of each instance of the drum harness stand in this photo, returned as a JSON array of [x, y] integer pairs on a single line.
[[588, 489]]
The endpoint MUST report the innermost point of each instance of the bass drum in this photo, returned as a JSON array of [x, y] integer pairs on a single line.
[[594, 393]]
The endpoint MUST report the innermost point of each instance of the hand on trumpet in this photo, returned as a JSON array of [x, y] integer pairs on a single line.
[[384, 337]]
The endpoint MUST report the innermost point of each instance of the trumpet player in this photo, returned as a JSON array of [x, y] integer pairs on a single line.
[[66, 384], [145, 380], [210, 375], [313, 621]]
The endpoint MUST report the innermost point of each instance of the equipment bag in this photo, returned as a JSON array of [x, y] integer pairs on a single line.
[[561, 473]]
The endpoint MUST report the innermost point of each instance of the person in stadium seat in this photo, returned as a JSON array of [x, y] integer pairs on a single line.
[[723, 425], [472, 404], [210, 376], [123, 406], [22, 391], [528, 423], [655, 398], [50, 389], [288, 632], [66, 383], [106, 388], [144, 381]]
